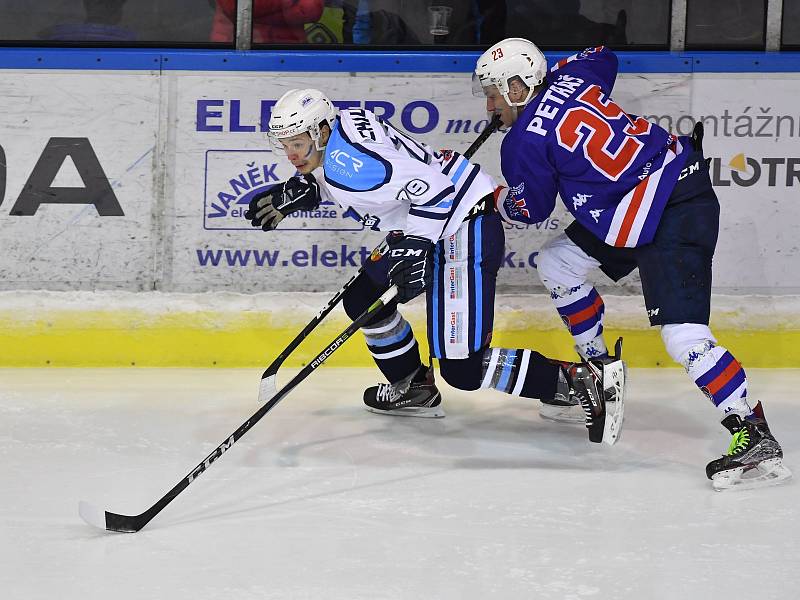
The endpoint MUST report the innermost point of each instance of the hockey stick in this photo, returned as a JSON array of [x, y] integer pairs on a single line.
[[489, 130], [132, 523], [268, 386]]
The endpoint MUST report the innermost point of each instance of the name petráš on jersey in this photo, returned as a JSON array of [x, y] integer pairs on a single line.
[[564, 87]]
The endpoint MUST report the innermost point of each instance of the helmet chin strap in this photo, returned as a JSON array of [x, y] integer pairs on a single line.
[[318, 144]]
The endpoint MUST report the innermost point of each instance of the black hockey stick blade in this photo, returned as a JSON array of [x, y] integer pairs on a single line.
[[268, 386], [109, 521], [103, 519]]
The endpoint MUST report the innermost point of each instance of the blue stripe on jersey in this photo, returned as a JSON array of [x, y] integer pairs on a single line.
[[478, 223], [507, 368], [469, 235], [439, 197], [437, 349], [464, 164]]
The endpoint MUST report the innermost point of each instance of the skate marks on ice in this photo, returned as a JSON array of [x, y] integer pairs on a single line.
[[506, 504]]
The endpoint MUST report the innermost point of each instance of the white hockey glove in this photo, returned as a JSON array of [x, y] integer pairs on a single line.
[[269, 208]]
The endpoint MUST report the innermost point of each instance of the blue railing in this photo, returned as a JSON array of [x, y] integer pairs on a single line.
[[366, 61]]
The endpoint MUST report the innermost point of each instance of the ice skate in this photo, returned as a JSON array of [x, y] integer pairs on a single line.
[[565, 408], [754, 458], [406, 398], [598, 387]]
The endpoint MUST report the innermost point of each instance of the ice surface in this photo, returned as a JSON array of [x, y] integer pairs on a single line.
[[324, 500]]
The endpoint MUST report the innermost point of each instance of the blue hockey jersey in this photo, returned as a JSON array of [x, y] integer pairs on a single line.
[[614, 171]]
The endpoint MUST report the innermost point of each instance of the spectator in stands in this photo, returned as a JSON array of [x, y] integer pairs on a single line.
[[328, 29], [102, 24], [274, 21]]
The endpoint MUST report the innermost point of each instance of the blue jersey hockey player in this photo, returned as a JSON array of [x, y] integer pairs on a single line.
[[641, 197], [442, 241]]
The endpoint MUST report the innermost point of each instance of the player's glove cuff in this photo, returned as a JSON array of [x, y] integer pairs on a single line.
[[299, 193], [409, 267], [267, 209]]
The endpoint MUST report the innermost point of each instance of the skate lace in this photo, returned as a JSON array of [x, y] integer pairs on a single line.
[[387, 393], [739, 442]]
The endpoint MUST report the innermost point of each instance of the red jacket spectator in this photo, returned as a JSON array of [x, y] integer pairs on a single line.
[[274, 21]]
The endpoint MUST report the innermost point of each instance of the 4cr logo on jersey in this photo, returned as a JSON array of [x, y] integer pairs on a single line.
[[343, 159]]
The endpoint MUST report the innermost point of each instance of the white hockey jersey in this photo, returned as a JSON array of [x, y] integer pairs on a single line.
[[389, 181]]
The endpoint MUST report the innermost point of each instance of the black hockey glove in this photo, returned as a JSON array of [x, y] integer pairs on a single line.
[[408, 265], [269, 208]]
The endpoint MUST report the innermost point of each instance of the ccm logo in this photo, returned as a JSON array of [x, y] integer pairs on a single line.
[[339, 157], [405, 252]]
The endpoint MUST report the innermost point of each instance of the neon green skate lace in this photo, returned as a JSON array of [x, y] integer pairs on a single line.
[[740, 441]]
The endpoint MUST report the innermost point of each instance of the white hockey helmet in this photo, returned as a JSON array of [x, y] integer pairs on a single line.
[[298, 111], [507, 60]]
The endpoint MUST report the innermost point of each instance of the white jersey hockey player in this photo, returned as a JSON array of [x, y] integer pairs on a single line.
[[445, 239]]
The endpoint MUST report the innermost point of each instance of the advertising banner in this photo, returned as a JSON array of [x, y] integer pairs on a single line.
[[752, 126], [78, 179], [221, 125], [140, 180]]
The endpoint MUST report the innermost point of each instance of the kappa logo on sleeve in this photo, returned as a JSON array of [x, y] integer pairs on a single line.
[[579, 200]]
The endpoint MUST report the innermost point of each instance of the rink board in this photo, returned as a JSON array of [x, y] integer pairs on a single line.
[[172, 331], [134, 177], [137, 177]]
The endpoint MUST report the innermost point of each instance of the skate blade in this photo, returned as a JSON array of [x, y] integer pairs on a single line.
[[570, 415], [423, 412], [614, 376], [766, 473]]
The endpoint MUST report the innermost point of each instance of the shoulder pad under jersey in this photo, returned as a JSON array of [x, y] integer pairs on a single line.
[[352, 166]]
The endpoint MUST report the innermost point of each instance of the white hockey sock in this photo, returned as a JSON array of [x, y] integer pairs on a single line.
[[581, 309], [719, 376]]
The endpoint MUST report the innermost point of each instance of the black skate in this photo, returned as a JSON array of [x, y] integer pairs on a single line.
[[406, 398], [598, 387], [754, 457], [565, 408]]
